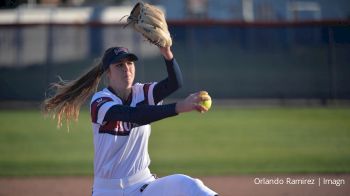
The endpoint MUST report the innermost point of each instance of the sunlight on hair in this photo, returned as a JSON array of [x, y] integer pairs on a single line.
[[70, 95]]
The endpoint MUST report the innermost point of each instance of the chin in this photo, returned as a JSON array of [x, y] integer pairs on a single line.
[[129, 84]]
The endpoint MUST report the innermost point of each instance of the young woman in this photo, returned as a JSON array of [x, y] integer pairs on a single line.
[[121, 115]]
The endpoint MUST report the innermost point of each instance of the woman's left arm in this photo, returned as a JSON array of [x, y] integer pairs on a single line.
[[174, 80]]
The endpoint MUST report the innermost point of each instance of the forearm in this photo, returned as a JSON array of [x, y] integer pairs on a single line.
[[141, 115]]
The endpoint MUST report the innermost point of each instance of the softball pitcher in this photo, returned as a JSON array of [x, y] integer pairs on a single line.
[[121, 114]]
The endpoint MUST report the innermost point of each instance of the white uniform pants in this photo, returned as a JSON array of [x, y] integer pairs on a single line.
[[173, 185]]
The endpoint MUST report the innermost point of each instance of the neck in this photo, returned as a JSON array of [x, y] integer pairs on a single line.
[[122, 93]]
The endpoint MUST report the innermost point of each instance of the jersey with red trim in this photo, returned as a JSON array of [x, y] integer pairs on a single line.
[[121, 148]]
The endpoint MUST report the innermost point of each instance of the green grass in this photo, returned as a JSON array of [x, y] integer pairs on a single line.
[[220, 142]]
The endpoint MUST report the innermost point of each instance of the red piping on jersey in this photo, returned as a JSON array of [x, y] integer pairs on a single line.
[[145, 92]]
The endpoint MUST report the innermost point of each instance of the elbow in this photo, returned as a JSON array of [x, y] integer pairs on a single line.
[[176, 86], [179, 83]]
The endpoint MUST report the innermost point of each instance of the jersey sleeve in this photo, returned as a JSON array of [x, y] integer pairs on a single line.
[[148, 93], [99, 108]]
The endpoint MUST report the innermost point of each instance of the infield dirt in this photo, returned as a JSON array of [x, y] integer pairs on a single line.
[[251, 185]]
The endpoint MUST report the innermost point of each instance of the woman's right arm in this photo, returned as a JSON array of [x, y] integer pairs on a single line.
[[146, 114], [141, 115]]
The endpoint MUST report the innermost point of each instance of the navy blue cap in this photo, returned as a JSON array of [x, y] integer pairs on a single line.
[[115, 55]]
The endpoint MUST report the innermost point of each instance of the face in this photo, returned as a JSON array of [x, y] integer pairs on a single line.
[[121, 74]]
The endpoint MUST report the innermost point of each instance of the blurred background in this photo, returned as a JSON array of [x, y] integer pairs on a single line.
[[235, 49], [278, 71]]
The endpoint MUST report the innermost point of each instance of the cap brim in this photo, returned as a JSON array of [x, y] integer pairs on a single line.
[[124, 56]]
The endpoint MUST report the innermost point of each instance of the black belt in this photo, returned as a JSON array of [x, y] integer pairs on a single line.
[[143, 187]]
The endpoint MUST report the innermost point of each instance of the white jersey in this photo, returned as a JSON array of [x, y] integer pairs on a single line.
[[121, 148]]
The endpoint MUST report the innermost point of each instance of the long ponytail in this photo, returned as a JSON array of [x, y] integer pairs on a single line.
[[65, 104]]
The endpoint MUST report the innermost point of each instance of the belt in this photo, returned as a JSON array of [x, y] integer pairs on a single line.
[[121, 183]]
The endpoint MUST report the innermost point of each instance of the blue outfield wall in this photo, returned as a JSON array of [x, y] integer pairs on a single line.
[[307, 61]]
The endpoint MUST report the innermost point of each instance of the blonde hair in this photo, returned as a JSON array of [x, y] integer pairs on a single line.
[[65, 104]]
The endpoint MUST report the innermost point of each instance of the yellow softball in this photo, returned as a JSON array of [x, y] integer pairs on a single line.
[[206, 103]]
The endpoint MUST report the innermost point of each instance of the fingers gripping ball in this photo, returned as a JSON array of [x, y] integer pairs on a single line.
[[207, 102], [150, 22]]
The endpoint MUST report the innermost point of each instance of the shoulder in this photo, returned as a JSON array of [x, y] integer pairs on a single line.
[[144, 92], [138, 85], [101, 101], [143, 87], [100, 94], [101, 97]]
